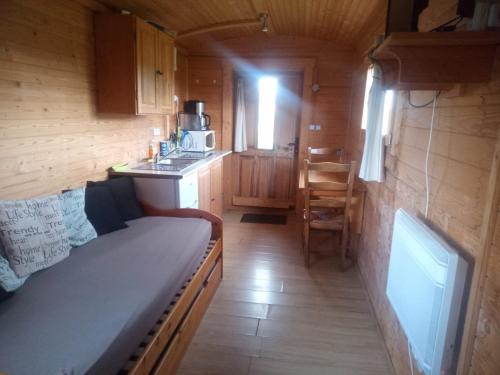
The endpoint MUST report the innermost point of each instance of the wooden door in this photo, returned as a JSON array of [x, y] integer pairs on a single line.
[[267, 178], [204, 189], [165, 73], [146, 67], [216, 199]]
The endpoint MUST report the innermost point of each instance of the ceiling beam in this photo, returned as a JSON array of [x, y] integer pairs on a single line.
[[218, 27]]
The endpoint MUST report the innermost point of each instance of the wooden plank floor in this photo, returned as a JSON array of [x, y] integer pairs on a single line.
[[273, 316]]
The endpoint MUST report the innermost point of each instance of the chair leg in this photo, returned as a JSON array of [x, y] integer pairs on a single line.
[[306, 245], [343, 249]]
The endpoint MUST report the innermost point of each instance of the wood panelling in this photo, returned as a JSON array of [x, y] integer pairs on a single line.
[[464, 139], [181, 77], [205, 83], [344, 22], [51, 137]]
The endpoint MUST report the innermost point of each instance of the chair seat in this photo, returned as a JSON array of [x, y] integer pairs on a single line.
[[326, 220]]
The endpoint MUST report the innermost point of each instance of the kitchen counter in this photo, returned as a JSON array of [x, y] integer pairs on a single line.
[[136, 171]]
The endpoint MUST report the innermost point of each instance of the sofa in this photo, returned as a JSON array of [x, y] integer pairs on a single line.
[[128, 301]]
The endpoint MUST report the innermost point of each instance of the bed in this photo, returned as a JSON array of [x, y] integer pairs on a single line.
[[125, 302]]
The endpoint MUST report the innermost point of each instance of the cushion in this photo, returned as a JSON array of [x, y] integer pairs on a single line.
[[9, 281], [33, 234], [80, 230], [101, 210], [4, 295], [123, 191]]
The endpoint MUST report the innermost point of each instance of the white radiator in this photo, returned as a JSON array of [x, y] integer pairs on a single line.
[[425, 286]]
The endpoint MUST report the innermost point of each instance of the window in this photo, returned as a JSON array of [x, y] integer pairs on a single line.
[[388, 111], [388, 105], [268, 88], [377, 119], [369, 81]]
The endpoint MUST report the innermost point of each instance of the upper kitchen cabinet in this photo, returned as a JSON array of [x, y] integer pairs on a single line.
[[135, 66]]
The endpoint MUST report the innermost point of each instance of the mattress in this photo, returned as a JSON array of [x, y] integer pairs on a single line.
[[88, 313]]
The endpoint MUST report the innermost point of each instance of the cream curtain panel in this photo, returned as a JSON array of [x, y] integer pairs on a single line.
[[240, 132]]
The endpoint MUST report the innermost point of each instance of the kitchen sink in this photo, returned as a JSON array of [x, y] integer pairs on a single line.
[[161, 167], [174, 162]]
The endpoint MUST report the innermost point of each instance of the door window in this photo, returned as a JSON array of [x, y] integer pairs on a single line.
[[268, 88]]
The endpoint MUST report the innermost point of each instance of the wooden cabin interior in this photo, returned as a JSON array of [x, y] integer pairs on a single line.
[[250, 187]]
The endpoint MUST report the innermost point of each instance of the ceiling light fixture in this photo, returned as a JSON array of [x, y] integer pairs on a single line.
[[263, 21]]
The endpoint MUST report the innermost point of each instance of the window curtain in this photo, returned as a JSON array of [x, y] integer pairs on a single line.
[[372, 164], [240, 132]]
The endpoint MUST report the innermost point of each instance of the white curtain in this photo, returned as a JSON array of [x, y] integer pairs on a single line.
[[372, 164], [240, 132]]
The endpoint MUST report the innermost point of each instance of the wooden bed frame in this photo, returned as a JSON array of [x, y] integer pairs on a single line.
[[161, 352]]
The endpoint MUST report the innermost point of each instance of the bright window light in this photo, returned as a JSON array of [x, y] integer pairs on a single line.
[[388, 110], [369, 81], [388, 105], [268, 87]]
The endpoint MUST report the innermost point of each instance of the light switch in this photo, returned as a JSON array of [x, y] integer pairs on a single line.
[[312, 127], [156, 132]]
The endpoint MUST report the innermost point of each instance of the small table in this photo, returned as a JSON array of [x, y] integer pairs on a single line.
[[358, 194]]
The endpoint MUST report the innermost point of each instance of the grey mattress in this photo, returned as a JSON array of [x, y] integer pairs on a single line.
[[88, 313]]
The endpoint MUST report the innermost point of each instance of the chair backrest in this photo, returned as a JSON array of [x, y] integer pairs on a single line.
[[343, 176], [324, 154]]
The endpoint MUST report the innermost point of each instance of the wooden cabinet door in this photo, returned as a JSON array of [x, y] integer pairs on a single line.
[[204, 187], [147, 37], [165, 73], [216, 203]]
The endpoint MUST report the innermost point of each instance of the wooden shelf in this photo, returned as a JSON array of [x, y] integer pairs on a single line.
[[436, 61]]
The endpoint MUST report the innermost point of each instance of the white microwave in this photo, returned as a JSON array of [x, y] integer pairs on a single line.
[[198, 141]]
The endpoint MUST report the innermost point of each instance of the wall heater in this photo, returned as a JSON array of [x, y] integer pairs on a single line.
[[425, 287]]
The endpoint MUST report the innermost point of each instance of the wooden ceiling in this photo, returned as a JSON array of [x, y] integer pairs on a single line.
[[343, 22]]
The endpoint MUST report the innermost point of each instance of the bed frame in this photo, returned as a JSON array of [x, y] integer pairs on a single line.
[[161, 352]]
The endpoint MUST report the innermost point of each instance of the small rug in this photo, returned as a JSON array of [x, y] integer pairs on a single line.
[[263, 219]]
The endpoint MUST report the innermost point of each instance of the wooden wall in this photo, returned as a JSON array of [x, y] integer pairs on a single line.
[[331, 105], [466, 133], [50, 134], [205, 83]]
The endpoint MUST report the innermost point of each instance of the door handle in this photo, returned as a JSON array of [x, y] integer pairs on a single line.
[[159, 72]]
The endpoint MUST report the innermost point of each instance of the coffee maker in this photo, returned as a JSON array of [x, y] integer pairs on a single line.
[[194, 116]]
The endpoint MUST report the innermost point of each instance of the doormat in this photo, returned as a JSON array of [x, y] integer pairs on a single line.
[[263, 219]]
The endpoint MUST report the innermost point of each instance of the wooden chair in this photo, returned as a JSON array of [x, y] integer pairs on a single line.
[[325, 154], [321, 211]]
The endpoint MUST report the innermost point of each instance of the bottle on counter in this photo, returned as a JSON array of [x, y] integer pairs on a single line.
[[151, 150]]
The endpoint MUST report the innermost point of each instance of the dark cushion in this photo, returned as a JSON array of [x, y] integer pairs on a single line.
[[4, 295], [101, 210], [123, 192]]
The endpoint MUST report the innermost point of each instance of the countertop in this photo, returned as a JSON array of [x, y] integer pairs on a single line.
[[131, 170]]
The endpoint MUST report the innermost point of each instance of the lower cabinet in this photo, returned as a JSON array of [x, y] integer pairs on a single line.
[[210, 188], [199, 189], [165, 193], [204, 190]]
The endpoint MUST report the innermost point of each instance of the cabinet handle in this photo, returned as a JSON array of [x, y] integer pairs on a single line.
[[159, 72]]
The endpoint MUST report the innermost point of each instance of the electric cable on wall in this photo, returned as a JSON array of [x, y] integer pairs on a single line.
[[429, 143], [427, 192]]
